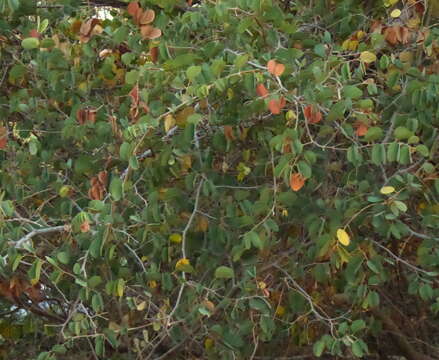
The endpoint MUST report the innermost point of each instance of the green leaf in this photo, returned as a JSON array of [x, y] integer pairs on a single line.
[[304, 169], [94, 281], [116, 188], [358, 325], [373, 133], [192, 72], [224, 272], [402, 133], [241, 60], [30, 43], [63, 257], [352, 92], [318, 348], [357, 349], [423, 150]]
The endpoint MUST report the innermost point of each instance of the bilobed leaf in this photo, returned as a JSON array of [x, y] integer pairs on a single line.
[[367, 57], [224, 272]]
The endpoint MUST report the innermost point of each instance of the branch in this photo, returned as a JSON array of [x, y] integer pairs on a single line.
[[20, 243]]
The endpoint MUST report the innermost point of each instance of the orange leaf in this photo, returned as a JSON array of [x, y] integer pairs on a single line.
[[228, 133], [261, 90], [361, 129], [275, 106], [150, 32], [296, 181], [312, 115], [275, 68], [132, 8]]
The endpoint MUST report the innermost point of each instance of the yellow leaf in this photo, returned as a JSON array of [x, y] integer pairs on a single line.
[[182, 264], [169, 122], [120, 287], [385, 190], [175, 238], [208, 343], [141, 306], [367, 57], [343, 237], [152, 284], [280, 311], [395, 13]]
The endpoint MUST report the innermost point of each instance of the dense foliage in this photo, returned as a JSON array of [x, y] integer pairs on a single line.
[[234, 179]]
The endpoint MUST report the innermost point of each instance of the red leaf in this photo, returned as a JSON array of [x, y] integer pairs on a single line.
[[132, 8], [261, 90], [34, 33]]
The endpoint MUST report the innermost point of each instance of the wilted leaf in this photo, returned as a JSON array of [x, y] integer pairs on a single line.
[[150, 32]]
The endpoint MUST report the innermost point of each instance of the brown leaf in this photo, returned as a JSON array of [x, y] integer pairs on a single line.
[[150, 32], [102, 177], [228, 133], [275, 68], [85, 227], [91, 115], [94, 181], [80, 116], [132, 8], [134, 93], [403, 35], [34, 293], [147, 17], [76, 26], [391, 35], [261, 90], [154, 53], [296, 181], [3, 137]]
